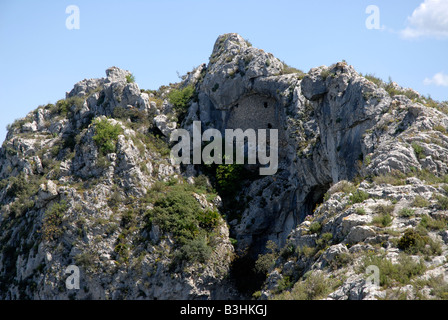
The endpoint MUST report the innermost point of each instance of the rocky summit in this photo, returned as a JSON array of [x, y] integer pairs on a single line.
[[92, 206]]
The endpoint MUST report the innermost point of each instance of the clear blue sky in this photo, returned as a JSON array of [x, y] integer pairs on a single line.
[[40, 59]]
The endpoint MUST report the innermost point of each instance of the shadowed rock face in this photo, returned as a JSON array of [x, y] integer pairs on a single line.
[[64, 201], [321, 120]]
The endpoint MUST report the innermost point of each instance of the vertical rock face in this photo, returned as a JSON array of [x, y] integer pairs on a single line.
[[88, 181], [321, 118]]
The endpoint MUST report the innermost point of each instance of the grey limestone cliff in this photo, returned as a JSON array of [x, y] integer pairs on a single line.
[[362, 179]]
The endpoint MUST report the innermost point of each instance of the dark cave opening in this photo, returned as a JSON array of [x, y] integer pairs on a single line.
[[314, 197], [243, 272], [246, 279]]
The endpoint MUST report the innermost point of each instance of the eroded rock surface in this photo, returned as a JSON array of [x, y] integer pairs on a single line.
[[362, 178]]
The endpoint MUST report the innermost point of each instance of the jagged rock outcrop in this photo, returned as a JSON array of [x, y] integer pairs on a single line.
[[361, 181], [69, 200], [321, 118]]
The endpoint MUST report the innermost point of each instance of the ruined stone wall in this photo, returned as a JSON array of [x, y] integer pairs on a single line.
[[258, 112], [254, 112]]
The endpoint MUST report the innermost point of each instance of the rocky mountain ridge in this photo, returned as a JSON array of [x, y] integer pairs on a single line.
[[362, 181]]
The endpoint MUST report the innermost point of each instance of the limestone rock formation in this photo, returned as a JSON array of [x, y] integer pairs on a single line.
[[361, 188]]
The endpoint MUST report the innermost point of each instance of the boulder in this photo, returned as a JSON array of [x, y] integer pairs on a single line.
[[353, 220], [360, 233], [332, 253], [164, 125], [47, 192], [313, 85], [30, 127]]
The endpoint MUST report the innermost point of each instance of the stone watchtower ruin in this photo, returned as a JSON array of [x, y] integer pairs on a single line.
[[256, 111]]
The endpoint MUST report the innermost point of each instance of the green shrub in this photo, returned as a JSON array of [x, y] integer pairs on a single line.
[[130, 78], [23, 188], [179, 213], [63, 106], [325, 73], [440, 128], [371, 77], [135, 115], [157, 144], [284, 283], [17, 124], [393, 91], [367, 161], [52, 221], [433, 224], [306, 251], [315, 227], [442, 202], [208, 219], [324, 241], [415, 242], [157, 100], [406, 212], [392, 274], [445, 188], [21, 206], [411, 240], [438, 285], [418, 149], [229, 177], [287, 251], [326, 237], [384, 209], [383, 217], [195, 250], [340, 260], [122, 248], [420, 202], [342, 186], [359, 196], [382, 220], [430, 177], [395, 178], [176, 213], [115, 199], [407, 269], [75, 101], [181, 98], [106, 135], [17, 186], [265, 261], [85, 259], [202, 184], [314, 286], [289, 70]]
